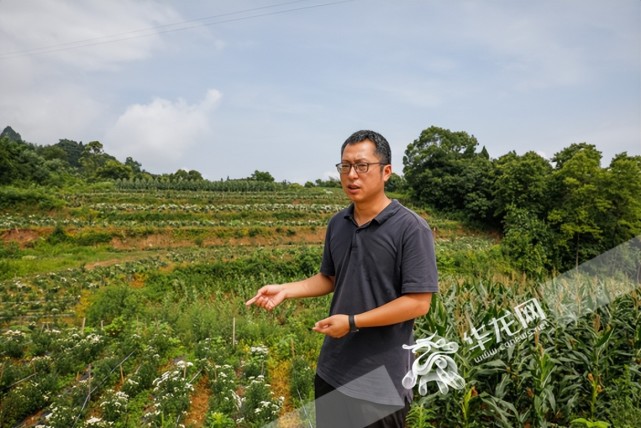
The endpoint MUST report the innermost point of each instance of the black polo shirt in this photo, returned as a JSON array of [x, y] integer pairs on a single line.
[[374, 264]]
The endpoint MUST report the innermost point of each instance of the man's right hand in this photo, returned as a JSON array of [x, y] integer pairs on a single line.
[[268, 297]]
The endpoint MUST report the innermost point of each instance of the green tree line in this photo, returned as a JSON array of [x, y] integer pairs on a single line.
[[553, 214], [68, 161]]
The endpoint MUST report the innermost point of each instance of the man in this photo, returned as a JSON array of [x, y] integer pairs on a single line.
[[379, 262]]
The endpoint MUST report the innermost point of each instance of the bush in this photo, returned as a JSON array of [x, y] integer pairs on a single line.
[[111, 302], [18, 199], [259, 407], [9, 250]]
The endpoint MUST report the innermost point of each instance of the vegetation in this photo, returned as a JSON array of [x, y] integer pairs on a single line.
[[122, 300], [554, 214]]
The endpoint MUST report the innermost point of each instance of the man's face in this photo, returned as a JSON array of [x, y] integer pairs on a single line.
[[364, 186]]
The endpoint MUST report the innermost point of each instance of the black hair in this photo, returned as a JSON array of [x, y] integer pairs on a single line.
[[382, 150]]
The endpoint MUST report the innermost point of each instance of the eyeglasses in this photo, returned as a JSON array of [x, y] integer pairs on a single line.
[[361, 167]]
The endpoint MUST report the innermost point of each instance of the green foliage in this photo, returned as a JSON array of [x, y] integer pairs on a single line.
[[27, 199], [590, 424], [259, 406], [444, 171], [219, 420], [10, 134], [579, 201], [19, 163], [182, 175], [579, 208], [331, 182], [521, 182], [171, 395], [622, 185], [113, 170], [527, 242], [68, 151], [200, 185], [66, 163], [625, 394], [262, 176], [9, 250], [396, 184], [112, 302], [419, 417], [58, 236], [302, 382]]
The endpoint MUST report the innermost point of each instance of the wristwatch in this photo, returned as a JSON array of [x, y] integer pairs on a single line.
[[352, 324]]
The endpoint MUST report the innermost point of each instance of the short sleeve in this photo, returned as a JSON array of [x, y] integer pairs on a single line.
[[327, 264], [418, 264]]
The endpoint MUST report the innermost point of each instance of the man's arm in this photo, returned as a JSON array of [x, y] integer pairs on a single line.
[[406, 307], [270, 296]]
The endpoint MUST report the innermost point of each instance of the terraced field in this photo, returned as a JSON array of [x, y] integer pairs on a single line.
[[124, 308]]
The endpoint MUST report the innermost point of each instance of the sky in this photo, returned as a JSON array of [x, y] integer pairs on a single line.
[[230, 87]]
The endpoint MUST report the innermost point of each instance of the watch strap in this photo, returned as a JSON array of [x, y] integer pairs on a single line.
[[352, 324]]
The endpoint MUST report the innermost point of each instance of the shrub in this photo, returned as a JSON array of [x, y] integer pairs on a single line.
[[259, 407]]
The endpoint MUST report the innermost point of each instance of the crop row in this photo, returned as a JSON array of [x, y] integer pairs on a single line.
[[9, 222], [142, 367], [44, 296], [202, 185], [214, 208], [285, 196]]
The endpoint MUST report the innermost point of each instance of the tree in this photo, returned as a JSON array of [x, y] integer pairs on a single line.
[[526, 241], [262, 176], [8, 170], [94, 158], [114, 170], [444, 171], [179, 175], [622, 188], [330, 182], [579, 201], [19, 162], [136, 167], [53, 152], [568, 153], [194, 175], [396, 183], [521, 181], [10, 134], [73, 151]]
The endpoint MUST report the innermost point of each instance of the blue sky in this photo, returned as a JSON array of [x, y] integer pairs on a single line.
[[227, 88]]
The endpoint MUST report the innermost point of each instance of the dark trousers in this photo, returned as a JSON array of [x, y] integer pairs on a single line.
[[337, 410]]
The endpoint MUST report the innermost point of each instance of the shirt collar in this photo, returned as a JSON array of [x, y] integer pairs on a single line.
[[387, 212]]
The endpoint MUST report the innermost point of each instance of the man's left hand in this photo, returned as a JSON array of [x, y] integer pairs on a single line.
[[335, 326]]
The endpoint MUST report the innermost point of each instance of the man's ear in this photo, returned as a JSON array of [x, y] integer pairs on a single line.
[[387, 172]]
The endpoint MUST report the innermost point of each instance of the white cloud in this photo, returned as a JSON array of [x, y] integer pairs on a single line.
[[91, 35], [545, 44], [61, 111], [50, 51], [159, 133]]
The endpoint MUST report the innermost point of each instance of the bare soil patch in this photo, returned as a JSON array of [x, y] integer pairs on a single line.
[[199, 404], [23, 237]]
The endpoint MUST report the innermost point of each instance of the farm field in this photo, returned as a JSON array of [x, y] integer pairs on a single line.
[[124, 307]]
